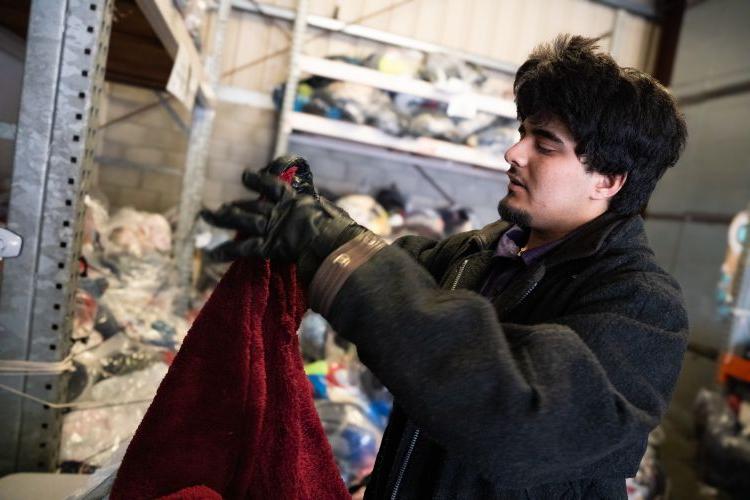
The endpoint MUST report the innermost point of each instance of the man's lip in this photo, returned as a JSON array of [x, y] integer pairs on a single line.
[[514, 180]]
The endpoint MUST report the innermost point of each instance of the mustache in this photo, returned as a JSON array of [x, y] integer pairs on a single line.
[[514, 177]]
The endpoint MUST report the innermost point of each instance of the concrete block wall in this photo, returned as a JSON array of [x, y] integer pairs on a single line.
[[242, 139], [140, 160]]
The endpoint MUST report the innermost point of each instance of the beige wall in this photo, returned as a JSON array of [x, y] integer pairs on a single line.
[[140, 160]]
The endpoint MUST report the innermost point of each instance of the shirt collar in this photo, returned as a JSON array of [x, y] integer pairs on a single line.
[[514, 239]]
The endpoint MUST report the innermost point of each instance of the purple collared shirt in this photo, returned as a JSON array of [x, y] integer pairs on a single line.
[[506, 262]]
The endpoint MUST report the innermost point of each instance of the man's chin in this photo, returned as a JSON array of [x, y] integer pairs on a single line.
[[513, 215]]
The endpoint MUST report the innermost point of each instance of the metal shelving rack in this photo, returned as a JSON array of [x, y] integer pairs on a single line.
[[368, 140], [66, 53]]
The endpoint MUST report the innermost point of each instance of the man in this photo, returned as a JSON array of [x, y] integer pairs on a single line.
[[529, 359]]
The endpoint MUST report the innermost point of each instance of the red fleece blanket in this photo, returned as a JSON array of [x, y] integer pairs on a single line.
[[234, 417]]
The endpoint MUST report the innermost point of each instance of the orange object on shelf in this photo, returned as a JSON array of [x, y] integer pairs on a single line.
[[734, 366]]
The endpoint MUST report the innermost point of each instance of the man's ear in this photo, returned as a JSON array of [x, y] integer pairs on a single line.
[[608, 185]]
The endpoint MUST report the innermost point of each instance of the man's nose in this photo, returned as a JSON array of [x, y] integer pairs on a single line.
[[515, 155]]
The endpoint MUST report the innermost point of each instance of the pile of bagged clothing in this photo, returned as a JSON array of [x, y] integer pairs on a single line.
[[125, 331]]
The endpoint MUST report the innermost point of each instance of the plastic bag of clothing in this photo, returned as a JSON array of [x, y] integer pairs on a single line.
[[433, 124], [353, 438], [723, 453], [458, 219], [452, 73], [392, 199], [137, 233], [357, 102], [92, 435], [366, 212], [495, 139], [397, 62], [467, 127]]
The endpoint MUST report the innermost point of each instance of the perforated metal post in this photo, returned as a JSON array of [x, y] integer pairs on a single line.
[[63, 75], [290, 90], [196, 161]]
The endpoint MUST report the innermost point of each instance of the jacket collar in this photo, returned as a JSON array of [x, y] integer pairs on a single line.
[[587, 240]]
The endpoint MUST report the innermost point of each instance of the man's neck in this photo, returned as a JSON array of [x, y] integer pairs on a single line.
[[538, 238]]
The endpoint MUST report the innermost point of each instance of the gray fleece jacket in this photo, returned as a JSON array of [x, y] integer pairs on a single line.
[[548, 390]]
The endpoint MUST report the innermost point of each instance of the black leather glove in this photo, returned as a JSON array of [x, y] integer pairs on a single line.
[[282, 224]]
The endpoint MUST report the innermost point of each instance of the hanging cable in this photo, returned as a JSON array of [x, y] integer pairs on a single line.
[[82, 405], [23, 367]]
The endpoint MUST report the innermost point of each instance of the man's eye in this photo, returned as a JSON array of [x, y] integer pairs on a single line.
[[544, 151]]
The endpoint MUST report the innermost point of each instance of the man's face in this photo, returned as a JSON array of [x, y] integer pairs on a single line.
[[549, 187]]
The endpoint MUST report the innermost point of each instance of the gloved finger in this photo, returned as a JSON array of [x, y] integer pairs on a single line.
[[233, 250], [267, 185], [232, 217], [302, 182], [260, 206], [332, 209]]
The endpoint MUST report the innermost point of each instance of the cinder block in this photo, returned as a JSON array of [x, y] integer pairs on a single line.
[[212, 193], [112, 194], [110, 175], [224, 170], [234, 191], [110, 149], [126, 133], [131, 93], [164, 183], [219, 151], [175, 159], [163, 137], [145, 155], [140, 199], [167, 201]]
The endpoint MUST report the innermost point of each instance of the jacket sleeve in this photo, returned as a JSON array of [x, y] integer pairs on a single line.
[[430, 253], [522, 403]]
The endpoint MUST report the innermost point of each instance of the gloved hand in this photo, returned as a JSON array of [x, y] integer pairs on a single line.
[[282, 225]]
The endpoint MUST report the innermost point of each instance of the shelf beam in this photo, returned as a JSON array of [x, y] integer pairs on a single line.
[[169, 26], [423, 146]]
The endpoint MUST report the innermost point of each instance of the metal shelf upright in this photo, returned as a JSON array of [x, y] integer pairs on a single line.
[[66, 52]]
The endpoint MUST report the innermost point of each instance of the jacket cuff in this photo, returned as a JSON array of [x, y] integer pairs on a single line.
[[338, 266]]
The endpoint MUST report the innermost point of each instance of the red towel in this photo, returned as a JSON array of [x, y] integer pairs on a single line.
[[235, 415]]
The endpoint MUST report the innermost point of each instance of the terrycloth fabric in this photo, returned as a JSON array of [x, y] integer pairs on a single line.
[[235, 413]]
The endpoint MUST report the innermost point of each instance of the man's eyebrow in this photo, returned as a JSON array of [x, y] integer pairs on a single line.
[[547, 134]]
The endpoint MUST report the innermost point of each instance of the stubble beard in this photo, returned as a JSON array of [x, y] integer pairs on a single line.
[[519, 217]]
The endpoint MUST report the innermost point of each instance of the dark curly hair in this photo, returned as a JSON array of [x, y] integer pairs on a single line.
[[623, 120]]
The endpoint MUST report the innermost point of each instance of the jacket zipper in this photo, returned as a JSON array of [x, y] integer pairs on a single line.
[[526, 293], [415, 436], [402, 469]]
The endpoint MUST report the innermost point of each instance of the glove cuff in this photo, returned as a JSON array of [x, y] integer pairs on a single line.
[[332, 234], [337, 268]]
